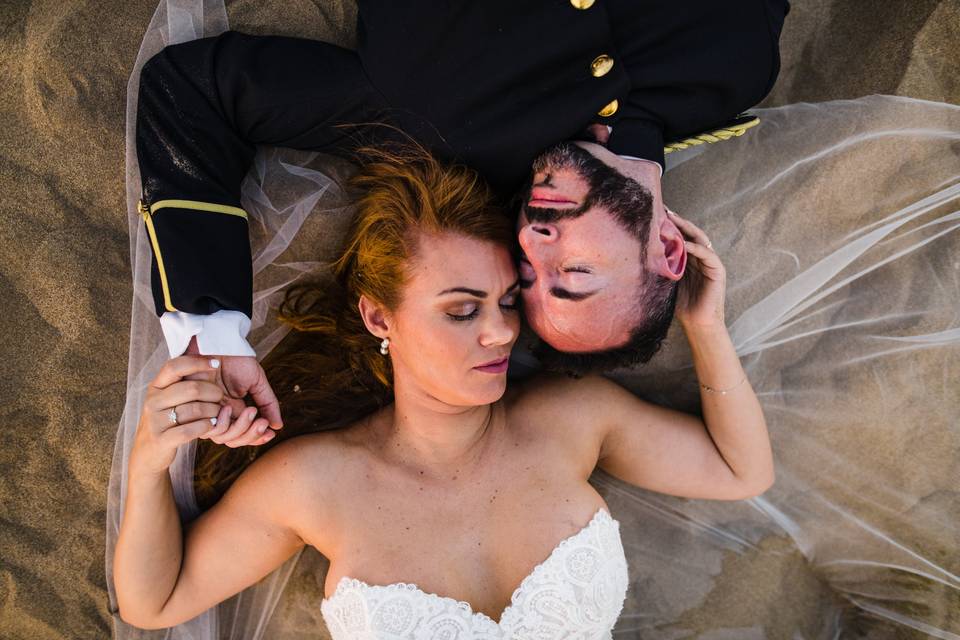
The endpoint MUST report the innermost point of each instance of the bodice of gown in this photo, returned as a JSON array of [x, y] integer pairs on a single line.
[[576, 592]]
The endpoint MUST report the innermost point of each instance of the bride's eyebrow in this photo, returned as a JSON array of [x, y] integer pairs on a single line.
[[476, 292], [473, 292]]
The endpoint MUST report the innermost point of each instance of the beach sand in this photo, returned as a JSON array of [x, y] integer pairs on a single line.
[[65, 272]]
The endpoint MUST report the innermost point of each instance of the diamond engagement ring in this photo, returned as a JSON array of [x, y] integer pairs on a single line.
[[173, 416]]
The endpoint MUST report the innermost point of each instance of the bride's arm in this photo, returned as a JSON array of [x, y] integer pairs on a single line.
[[164, 576], [727, 454]]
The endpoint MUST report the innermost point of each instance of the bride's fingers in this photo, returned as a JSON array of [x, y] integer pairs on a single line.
[[183, 392], [267, 436], [708, 259], [239, 426], [191, 411], [690, 230], [256, 431], [176, 369], [176, 436], [223, 423]]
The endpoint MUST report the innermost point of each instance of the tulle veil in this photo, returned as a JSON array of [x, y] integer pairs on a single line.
[[839, 225]]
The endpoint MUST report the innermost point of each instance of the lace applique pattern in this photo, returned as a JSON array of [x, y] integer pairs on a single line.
[[579, 590]]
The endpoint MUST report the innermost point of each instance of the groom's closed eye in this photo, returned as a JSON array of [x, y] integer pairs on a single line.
[[564, 294]]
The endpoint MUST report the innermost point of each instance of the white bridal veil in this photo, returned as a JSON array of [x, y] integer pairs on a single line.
[[839, 224]]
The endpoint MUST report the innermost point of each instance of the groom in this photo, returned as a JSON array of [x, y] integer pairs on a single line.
[[493, 84]]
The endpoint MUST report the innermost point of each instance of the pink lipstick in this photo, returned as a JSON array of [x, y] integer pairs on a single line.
[[497, 366]]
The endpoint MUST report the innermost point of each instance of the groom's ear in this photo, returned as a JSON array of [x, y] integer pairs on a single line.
[[671, 259], [374, 316]]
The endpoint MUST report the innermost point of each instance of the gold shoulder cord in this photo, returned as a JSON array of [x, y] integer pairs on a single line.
[[733, 131]]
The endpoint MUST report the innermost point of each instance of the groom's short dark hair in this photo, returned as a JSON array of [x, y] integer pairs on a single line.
[[658, 299]]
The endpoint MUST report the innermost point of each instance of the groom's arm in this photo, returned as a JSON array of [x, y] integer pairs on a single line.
[[203, 106], [717, 61]]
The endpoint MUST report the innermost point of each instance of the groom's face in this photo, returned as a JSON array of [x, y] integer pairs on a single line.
[[585, 230]]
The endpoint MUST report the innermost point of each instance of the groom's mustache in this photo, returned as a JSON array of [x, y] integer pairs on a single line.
[[549, 215], [562, 156]]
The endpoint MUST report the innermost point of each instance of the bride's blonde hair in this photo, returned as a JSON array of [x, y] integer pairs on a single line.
[[329, 371]]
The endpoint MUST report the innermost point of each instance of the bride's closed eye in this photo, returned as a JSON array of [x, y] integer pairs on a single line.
[[470, 311], [464, 312]]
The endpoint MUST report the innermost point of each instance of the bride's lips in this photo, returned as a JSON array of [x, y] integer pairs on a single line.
[[495, 366]]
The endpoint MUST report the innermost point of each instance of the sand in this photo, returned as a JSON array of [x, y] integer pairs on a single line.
[[64, 258]]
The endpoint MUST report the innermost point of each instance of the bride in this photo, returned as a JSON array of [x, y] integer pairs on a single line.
[[463, 503]]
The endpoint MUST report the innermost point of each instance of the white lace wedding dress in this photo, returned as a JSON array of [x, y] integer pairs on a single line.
[[577, 592]]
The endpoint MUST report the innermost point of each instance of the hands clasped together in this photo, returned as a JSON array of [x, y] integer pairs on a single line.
[[196, 396]]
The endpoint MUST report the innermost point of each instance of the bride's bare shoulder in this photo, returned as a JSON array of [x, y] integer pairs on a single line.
[[564, 412], [320, 454], [315, 465], [554, 397]]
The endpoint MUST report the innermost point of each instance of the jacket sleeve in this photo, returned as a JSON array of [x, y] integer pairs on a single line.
[[697, 71], [203, 106]]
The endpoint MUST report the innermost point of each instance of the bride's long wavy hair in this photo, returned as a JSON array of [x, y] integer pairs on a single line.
[[329, 371]]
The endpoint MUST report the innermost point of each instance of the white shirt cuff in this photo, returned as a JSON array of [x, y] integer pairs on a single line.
[[223, 333], [660, 166]]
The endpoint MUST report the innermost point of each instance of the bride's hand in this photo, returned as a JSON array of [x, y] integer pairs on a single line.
[[703, 287], [178, 410]]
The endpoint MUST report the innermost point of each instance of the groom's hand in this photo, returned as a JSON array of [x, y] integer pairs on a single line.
[[242, 376]]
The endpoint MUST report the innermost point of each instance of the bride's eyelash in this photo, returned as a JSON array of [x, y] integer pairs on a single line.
[[469, 316], [473, 314]]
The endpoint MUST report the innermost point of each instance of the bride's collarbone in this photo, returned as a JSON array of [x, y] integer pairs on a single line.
[[382, 521]]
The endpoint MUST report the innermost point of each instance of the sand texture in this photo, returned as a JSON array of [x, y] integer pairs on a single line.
[[66, 292]]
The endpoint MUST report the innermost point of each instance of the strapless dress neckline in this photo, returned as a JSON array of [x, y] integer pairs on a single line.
[[581, 563]]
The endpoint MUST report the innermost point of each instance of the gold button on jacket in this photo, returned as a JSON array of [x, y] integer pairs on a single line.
[[582, 4], [601, 66], [610, 109]]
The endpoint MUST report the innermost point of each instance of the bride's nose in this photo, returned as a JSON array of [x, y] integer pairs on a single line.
[[498, 330]]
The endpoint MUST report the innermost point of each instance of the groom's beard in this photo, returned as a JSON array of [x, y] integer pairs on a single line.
[[564, 155], [626, 199]]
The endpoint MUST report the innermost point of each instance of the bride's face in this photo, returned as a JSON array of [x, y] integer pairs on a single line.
[[450, 337]]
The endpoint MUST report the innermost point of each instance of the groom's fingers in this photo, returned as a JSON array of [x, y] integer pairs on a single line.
[[266, 401]]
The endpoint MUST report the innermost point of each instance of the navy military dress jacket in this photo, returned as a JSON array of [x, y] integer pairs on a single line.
[[488, 83]]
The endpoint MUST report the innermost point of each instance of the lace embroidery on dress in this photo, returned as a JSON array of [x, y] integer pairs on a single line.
[[579, 588]]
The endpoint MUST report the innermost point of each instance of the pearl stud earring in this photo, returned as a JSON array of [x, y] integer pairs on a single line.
[[384, 346]]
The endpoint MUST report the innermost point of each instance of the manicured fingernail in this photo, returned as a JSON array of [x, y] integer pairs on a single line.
[[262, 428], [215, 363], [213, 421]]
